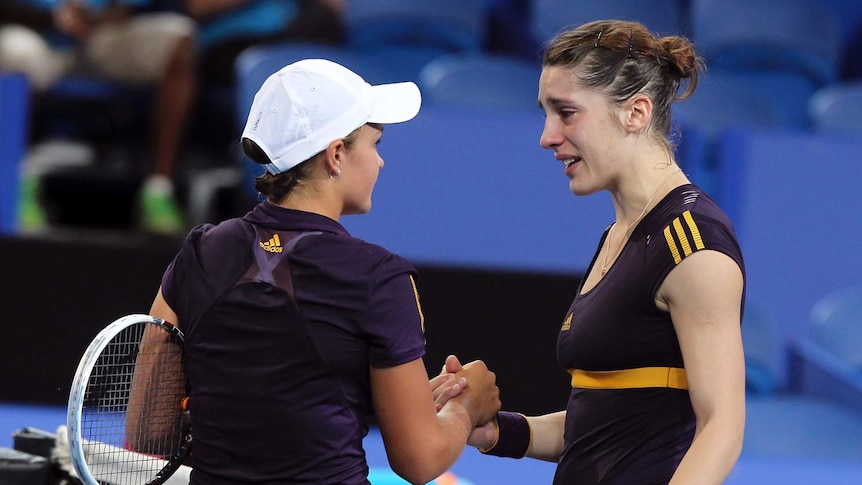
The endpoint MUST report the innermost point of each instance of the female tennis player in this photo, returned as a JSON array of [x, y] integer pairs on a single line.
[[296, 333], [652, 338]]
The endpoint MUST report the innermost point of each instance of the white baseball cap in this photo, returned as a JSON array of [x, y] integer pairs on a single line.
[[307, 105]]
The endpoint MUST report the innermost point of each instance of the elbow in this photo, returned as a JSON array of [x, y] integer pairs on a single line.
[[415, 478], [420, 467], [737, 440], [417, 471]]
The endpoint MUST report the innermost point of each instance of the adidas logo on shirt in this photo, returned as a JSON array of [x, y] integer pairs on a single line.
[[273, 245]]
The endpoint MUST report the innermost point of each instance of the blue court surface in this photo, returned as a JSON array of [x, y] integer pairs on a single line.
[[475, 469]]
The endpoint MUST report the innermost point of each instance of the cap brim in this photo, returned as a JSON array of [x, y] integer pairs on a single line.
[[395, 103]]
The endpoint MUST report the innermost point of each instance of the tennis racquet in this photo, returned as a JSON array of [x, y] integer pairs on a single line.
[[127, 419]]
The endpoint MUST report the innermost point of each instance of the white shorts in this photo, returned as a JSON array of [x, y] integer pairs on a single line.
[[137, 51]]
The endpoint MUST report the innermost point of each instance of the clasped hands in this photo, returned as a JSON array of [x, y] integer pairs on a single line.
[[475, 386]]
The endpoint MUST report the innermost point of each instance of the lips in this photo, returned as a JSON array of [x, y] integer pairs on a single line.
[[569, 161]]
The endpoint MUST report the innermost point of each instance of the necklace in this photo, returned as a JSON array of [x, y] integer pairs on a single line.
[[608, 254]]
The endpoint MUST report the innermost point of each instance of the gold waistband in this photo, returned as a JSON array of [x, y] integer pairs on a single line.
[[672, 377]]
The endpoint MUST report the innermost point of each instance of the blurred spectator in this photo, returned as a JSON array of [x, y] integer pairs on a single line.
[[120, 41], [227, 27]]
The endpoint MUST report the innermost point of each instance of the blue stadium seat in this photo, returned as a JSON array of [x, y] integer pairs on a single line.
[[793, 421], [792, 197], [481, 81], [836, 325], [737, 98], [451, 25], [720, 102], [827, 361], [801, 427], [837, 108], [548, 17], [407, 34], [726, 100], [761, 350], [799, 35]]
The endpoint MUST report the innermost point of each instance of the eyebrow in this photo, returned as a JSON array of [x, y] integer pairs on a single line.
[[556, 102]]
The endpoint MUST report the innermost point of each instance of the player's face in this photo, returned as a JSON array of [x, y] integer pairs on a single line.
[[580, 128], [361, 169]]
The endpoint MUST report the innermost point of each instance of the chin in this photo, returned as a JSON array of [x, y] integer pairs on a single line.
[[355, 211], [580, 191]]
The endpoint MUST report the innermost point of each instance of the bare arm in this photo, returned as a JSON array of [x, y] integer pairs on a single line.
[[151, 392], [420, 442], [704, 295], [201, 9], [547, 436]]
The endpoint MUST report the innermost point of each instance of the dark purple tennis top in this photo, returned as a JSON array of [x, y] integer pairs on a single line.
[[626, 436], [283, 312]]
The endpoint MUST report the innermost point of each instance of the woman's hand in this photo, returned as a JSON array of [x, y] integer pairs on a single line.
[[446, 386]]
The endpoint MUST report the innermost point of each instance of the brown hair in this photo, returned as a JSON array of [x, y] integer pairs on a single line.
[[624, 58], [276, 188]]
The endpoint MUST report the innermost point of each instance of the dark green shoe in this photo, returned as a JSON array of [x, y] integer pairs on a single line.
[[161, 214], [31, 216]]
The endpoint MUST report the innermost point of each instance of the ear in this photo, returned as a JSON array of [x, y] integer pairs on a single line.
[[333, 157], [639, 113]]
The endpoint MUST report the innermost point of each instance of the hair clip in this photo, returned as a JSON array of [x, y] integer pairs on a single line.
[[599, 37], [631, 38]]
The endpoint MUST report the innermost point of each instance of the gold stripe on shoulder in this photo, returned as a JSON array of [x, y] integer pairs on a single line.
[[695, 232], [683, 238], [418, 305], [674, 251]]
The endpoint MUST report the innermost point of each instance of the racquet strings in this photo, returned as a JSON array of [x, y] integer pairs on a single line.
[[133, 402]]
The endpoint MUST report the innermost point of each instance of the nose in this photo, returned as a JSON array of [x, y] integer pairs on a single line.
[[551, 137]]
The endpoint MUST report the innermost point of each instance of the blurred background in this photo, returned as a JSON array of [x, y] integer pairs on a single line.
[[773, 133]]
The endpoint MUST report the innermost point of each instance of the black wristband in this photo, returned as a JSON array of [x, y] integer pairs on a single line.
[[513, 436]]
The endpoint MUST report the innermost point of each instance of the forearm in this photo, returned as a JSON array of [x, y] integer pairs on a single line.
[[200, 9], [432, 453], [712, 454], [547, 436]]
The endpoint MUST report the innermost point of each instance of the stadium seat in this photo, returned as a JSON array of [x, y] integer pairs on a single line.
[[801, 35], [800, 427], [720, 102], [733, 98], [761, 350], [827, 361], [404, 35], [836, 325], [548, 17], [792, 421], [726, 100], [837, 108], [451, 25], [793, 197], [481, 81]]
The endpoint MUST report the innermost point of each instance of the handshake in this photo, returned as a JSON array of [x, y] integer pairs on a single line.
[[474, 387]]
